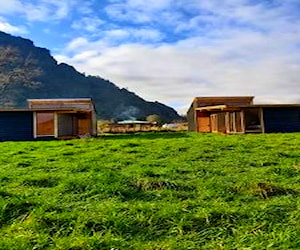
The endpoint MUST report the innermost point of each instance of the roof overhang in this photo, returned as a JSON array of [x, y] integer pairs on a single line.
[[296, 105], [217, 108], [61, 110], [61, 100]]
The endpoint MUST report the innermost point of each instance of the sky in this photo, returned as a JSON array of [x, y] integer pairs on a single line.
[[171, 50]]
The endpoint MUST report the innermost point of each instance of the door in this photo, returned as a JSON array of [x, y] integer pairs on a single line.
[[66, 125]]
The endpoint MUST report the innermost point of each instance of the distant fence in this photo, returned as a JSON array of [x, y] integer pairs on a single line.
[[132, 128]]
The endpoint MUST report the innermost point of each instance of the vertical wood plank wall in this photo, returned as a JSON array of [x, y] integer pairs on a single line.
[[203, 122], [262, 122], [221, 122], [84, 124], [218, 124]]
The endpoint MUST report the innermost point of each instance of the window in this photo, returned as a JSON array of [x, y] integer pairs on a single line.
[[45, 124]]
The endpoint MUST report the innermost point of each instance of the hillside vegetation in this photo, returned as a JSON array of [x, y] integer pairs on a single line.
[[152, 191], [27, 71]]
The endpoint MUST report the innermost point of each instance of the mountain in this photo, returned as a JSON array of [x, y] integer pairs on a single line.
[[27, 71]]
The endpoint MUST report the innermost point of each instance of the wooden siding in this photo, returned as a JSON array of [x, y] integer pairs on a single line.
[[238, 122], [82, 108], [218, 123], [191, 114], [281, 119], [84, 124], [61, 103], [16, 126], [234, 122], [240, 115], [203, 122], [195, 123], [231, 101]]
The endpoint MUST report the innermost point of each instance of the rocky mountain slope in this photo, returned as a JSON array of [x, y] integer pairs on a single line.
[[27, 71]]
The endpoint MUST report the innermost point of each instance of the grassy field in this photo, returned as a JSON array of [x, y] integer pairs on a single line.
[[152, 191]]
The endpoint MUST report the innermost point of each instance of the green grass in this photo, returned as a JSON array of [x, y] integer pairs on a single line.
[[152, 191]]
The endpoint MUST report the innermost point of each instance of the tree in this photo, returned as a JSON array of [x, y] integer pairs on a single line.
[[16, 73], [154, 119]]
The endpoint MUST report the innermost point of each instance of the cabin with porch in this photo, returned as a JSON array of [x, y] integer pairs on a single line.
[[240, 115], [49, 118]]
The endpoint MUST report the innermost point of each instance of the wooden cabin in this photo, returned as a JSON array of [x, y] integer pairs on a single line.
[[201, 121], [63, 117], [49, 118], [240, 115]]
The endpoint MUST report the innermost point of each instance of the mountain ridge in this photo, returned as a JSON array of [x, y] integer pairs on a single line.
[[60, 80]]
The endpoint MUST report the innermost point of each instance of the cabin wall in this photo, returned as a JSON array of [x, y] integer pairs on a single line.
[[191, 119], [281, 119], [94, 123], [16, 126], [195, 123], [234, 122], [66, 125], [231, 101], [221, 123], [56, 104], [203, 122], [84, 124]]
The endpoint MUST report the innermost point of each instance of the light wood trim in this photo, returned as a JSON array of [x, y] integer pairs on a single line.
[[262, 123], [34, 125], [227, 122], [243, 123], [234, 122], [55, 124], [196, 120]]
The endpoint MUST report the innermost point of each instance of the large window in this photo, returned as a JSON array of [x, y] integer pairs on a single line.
[[45, 124]]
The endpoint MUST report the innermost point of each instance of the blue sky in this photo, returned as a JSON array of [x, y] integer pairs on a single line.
[[171, 50]]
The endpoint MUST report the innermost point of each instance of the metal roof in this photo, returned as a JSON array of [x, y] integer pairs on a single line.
[[228, 107], [41, 109], [60, 99], [225, 97], [134, 122]]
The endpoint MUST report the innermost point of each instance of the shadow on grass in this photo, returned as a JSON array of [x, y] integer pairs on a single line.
[[145, 135]]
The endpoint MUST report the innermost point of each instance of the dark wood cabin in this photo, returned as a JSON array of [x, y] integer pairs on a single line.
[[49, 118], [245, 118], [16, 125]]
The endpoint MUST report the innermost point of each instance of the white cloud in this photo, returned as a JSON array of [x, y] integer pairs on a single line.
[[147, 34], [138, 11], [77, 44], [115, 35], [10, 6], [39, 10], [9, 28], [175, 74], [141, 35], [232, 48], [90, 24]]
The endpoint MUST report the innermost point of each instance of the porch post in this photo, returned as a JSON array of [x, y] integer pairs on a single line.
[[262, 123], [55, 125]]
